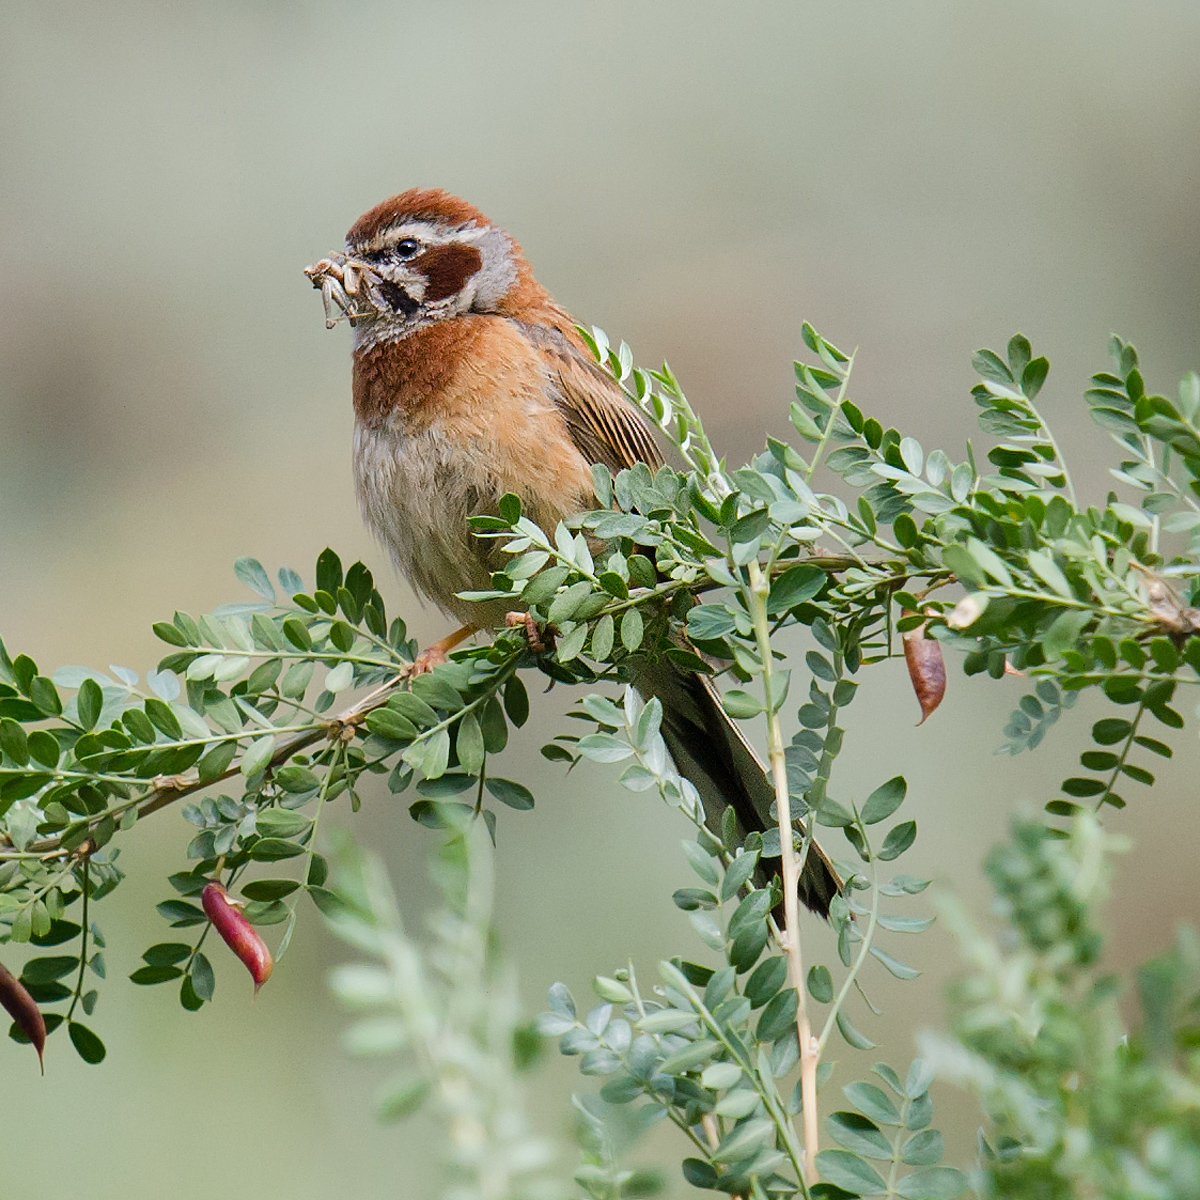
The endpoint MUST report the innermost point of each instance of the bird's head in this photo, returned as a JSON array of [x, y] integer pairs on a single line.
[[421, 257]]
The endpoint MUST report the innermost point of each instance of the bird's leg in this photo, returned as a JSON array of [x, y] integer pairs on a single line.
[[540, 640], [437, 652]]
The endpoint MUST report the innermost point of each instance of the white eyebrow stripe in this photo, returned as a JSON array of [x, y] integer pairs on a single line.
[[427, 232]]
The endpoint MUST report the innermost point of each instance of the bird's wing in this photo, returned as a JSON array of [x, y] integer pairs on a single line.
[[602, 422]]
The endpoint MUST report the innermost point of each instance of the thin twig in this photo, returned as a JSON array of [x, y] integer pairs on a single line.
[[809, 1052]]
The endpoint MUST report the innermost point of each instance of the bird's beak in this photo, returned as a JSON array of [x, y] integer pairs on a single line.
[[347, 283]]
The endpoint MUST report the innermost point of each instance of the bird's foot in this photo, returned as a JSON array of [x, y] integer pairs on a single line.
[[540, 638], [437, 652], [430, 657]]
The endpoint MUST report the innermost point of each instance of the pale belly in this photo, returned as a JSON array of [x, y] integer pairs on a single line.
[[416, 490]]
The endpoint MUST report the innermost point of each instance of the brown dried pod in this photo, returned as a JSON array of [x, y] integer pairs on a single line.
[[237, 933], [926, 669], [20, 1006]]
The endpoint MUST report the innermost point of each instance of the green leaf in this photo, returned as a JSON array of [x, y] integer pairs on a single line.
[[515, 795], [1111, 730], [571, 645], [709, 621], [280, 823], [1064, 632], [874, 1102], [329, 572], [898, 840], [750, 527], [43, 747], [820, 984], [855, 1132], [88, 1046], [1080, 787], [884, 800], [469, 744], [611, 990], [296, 679], [743, 1140], [45, 696], [516, 701], [58, 933], [14, 742], [603, 636], [187, 995], [932, 1183], [631, 630], [991, 366], [738, 874], [47, 970], [699, 1173], [565, 603], [340, 678], [736, 1105], [740, 704], [257, 756], [854, 1037], [794, 587], [894, 965], [1034, 376], [89, 702], [201, 974], [296, 780], [180, 913], [493, 726], [765, 980], [918, 1081], [166, 954], [904, 924], [1047, 570], [701, 862], [216, 762], [719, 1077], [604, 748], [849, 1171], [778, 1017], [273, 849], [924, 1149], [269, 889], [250, 572], [670, 1020], [155, 974], [430, 755], [297, 633], [169, 634]]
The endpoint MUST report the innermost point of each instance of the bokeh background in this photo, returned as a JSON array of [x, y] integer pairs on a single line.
[[917, 179]]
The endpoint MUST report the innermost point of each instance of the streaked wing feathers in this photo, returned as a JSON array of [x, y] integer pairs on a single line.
[[602, 422]]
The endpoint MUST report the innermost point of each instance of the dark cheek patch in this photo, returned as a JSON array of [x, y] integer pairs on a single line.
[[447, 268]]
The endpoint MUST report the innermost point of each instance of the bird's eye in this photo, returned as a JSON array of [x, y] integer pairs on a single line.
[[407, 247]]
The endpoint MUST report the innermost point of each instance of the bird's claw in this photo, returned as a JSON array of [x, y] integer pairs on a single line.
[[540, 638], [430, 657]]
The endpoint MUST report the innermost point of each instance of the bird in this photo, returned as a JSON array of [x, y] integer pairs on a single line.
[[470, 381]]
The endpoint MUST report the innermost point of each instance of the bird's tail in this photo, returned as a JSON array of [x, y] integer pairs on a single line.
[[710, 751]]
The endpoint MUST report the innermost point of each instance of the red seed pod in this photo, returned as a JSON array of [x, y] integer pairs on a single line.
[[926, 669], [237, 933], [23, 1011]]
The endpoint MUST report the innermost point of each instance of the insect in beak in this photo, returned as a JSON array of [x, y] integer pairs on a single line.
[[340, 280]]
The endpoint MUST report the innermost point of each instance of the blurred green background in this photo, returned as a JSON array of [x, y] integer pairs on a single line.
[[917, 179]]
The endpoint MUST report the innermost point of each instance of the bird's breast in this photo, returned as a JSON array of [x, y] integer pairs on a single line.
[[435, 447]]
